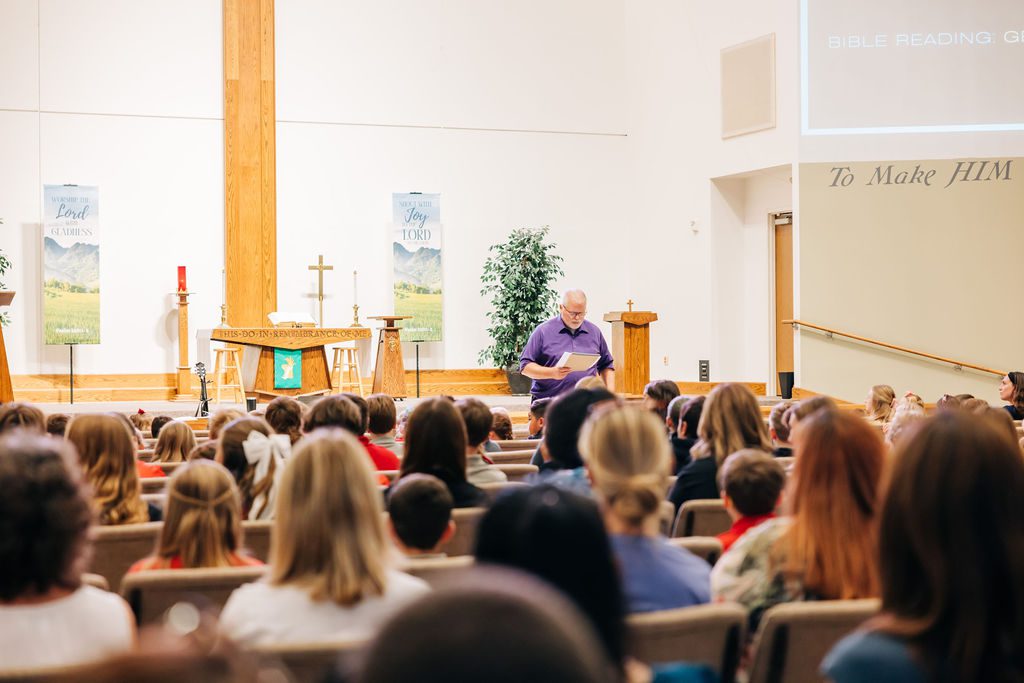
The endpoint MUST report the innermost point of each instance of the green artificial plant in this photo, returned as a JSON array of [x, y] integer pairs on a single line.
[[518, 276]]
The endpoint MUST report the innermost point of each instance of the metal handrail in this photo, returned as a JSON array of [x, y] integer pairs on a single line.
[[959, 365]]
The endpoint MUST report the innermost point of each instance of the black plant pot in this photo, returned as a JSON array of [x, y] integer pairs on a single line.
[[518, 382]]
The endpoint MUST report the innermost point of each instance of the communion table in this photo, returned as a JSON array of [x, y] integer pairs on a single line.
[[262, 380]]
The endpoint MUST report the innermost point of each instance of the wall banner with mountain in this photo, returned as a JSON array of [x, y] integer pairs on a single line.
[[71, 264], [416, 250]]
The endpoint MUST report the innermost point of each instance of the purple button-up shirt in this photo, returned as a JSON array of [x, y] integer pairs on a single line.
[[547, 344]]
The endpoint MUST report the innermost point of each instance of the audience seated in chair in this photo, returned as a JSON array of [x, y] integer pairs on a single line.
[[1011, 390], [175, 442], [344, 412], [382, 422], [658, 394], [108, 460], [420, 515], [559, 536], [495, 627], [204, 451], [48, 618], [751, 484], [951, 549], [142, 421], [477, 418], [561, 464], [731, 421], [329, 576], [19, 415], [284, 414], [220, 418], [778, 430], [202, 522], [684, 435], [628, 460], [158, 423], [57, 424], [435, 444], [255, 458], [535, 425], [825, 546], [878, 406], [501, 425]]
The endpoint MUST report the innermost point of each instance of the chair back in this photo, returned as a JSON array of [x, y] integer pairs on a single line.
[[311, 662], [704, 634], [439, 571], [518, 472], [794, 637], [116, 548], [708, 548], [170, 467], [256, 538], [494, 489], [702, 518], [463, 540], [96, 581], [511, 457], [154, 484], [151, 593], [518, 444]]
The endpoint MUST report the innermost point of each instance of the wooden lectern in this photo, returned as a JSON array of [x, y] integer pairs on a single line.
[[6, 388], [631, 348], [258, 358], [389, 373]]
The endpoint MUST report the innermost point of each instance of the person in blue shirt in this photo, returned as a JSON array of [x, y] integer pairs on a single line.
[[951, 562], [628, 460]]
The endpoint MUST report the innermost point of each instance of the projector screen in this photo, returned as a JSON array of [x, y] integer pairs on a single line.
[[904, 66]]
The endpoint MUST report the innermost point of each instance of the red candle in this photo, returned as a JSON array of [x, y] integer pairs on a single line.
[[181, 279]]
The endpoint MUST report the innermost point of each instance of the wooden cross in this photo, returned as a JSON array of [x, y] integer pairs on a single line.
[[630, 304], [320, 268]]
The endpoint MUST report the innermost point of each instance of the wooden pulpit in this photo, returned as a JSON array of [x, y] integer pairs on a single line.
[[631, 348], [389, 372], [6, 388], [258, 357]]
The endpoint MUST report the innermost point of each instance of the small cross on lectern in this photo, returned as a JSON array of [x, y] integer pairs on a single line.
[[630, 304], [320, 268]]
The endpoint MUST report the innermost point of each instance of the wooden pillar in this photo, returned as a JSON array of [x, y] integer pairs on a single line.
[[183, 390], [250, 195]]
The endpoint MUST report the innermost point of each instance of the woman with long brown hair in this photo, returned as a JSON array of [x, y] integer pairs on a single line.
[[202, 522], [1011, 390], [824, 547], [175, 442], [107, 455], [435, 444], [731, 421], [329, 555], [951, 562], [255, 458]]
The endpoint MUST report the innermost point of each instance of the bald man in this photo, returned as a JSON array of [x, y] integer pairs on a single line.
[[568, 331]]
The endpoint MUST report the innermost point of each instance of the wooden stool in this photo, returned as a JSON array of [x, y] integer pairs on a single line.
[[224, 364], [346, 364]]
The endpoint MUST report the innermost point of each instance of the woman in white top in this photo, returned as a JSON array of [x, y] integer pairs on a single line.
[[47, 617], [329, 577]]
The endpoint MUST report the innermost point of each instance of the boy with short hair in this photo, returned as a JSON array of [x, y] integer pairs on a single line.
[[477, 418], [158, 422], [536, 423], [382, 420], [751, 484], [420, 515]]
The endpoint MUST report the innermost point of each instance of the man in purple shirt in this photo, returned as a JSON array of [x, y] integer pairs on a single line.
[[570, 331]]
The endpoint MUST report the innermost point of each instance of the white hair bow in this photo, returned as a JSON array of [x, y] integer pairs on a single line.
[[260, 450]]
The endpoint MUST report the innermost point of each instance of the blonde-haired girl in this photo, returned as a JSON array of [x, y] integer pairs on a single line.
[[107, 456], [329, 576], [878, 407], [202, 522], [628, 459], [174, 443]]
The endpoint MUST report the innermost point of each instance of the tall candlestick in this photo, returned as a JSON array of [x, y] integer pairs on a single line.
[[355, 286], [181, 279]]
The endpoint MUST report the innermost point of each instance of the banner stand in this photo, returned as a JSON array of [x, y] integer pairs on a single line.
[[71, 369]]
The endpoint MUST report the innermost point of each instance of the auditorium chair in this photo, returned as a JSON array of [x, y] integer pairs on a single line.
[[96, 581], [794, 637], [153, 484], [170, 467], [438, 571], [702, 518], [463, 541], [151, 593], [256, 538], [311, 662], [493, 490], [703, 634], [666, 515], [155, 499], [511, 457], [708, 548], [787, 463], [116, 548], [517, 472], [518, 444]]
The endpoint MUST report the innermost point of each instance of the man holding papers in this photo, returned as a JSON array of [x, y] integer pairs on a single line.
[[565, 349]]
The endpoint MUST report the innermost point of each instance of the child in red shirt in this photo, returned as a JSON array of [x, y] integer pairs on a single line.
[[751, 482]]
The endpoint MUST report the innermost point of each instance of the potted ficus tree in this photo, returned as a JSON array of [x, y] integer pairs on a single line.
[[518, 276]]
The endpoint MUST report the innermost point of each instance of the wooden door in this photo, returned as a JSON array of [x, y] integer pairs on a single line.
[[783, 299]]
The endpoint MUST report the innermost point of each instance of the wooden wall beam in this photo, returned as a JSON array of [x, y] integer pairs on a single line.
[[250, 194]]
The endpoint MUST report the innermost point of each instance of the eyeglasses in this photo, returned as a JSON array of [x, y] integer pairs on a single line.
[[573, 314]]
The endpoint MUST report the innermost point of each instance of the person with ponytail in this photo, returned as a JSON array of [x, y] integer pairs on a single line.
[[628, 460], [202, 524], [1011, 390], [255, 458]]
